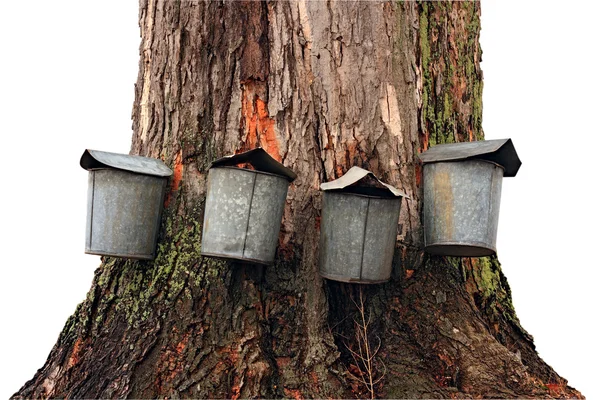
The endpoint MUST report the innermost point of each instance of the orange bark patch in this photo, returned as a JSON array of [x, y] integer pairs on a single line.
[[555, 388], [74, 358], [181, 345], [172, 361], [293, 394], [266, 130], [409, 273], [315, 379], [258, 126], [232, 354], [425, 141], [176, 178], [283, 362], [235, 389], [418, 174], [446, 359]]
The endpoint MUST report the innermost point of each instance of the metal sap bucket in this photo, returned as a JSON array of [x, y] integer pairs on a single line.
[[125, 201], [462, 187], [359, 226], [244, 207]]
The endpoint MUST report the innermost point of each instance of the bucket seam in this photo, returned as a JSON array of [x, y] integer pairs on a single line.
[[92, 209], [362, 254], [249, 212]]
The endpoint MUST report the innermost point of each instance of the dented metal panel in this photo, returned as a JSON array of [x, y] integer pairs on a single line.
[[264, 223], [228, 202], [124, 211], [359, 225], [381, 232], [341, 245], [461, 207], [243, 212], [501, 152], [358, 236], [244, 207], [125, 201]]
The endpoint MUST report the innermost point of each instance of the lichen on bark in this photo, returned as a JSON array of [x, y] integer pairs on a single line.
[[452, 79]]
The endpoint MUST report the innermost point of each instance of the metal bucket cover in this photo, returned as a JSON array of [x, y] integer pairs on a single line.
[[500, 151], [462, 189], [93, 159], [242, 216], [359, 226], [125, 201]]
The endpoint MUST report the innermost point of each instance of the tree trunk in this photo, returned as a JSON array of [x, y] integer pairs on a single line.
[[322, 86]]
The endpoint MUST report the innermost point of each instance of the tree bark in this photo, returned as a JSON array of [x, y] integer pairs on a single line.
[[322, 86]]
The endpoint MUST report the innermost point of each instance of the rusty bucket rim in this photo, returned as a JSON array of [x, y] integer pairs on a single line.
[[251, 170]]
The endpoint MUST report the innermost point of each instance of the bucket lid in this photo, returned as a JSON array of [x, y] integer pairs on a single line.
[[93, 159], [354, 175], [500, 151], [259, 159]]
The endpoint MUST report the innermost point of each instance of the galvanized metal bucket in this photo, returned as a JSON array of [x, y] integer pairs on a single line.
[[244, 207], [359, 226], [462, 189], [125, 201]]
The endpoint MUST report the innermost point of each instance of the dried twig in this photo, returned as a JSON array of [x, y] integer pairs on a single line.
[[365, 354]]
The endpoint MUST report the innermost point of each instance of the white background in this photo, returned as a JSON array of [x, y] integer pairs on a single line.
[[67, 70]]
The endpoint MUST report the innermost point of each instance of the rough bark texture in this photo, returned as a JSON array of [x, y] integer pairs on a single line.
[[322, 86]]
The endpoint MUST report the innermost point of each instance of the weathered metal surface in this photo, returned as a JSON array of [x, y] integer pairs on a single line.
[[462, 186], [359, 225], [243, 212], [125, 201], [124, 210], [260, 160], [358, 236], [353, 176], [94, 159], [461, 207], [501, 152]]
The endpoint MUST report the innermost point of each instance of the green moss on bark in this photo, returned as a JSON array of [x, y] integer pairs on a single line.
[[451, 78]]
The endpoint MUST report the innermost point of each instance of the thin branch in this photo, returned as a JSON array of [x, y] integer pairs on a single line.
[[365, 355]]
